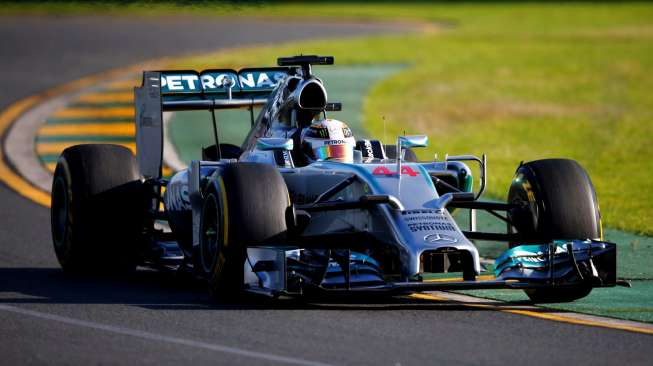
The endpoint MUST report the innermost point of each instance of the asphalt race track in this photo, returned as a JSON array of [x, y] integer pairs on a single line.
[[46, 317]]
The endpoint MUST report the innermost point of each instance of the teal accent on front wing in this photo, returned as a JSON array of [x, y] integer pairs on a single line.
[[588, 261], [634, 254]]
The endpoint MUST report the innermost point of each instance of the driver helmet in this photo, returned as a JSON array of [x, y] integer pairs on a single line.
[[328, 139]]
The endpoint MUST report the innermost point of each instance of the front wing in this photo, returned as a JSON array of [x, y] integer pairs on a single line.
[[277, 271]]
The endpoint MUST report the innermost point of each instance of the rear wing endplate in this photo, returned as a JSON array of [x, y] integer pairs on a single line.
[[149, 125], [186, 90]]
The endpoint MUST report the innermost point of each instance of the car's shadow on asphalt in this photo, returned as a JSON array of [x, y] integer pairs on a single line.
[[164, 291]]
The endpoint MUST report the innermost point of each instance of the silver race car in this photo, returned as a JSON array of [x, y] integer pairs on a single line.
[[303, 207]]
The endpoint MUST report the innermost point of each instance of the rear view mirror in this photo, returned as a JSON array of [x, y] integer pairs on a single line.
[[274, 143], [413, 141]]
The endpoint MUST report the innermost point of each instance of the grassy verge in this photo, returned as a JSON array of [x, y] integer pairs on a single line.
[[518, 82], [515, 81]]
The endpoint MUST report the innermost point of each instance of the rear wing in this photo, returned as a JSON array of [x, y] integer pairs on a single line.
[[184, 90]]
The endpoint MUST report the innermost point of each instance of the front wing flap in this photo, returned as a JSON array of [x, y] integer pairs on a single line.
[[560, 264]]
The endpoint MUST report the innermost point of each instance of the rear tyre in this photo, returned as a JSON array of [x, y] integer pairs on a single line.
[[98, 208], [557, 201], [245, 206], [391, 153]]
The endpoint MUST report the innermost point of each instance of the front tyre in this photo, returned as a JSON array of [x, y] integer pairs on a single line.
[[244, 206], [557, 201]]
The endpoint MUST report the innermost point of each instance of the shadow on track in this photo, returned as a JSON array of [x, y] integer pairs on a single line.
[[164, 291]]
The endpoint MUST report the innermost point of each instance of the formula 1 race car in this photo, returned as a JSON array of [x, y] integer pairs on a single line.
[[302, 207]]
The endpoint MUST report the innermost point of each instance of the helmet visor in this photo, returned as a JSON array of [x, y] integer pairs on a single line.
[[344, 153]]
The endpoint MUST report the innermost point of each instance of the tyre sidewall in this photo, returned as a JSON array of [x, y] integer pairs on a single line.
[[525, 219], [543, 217], [64, 245]]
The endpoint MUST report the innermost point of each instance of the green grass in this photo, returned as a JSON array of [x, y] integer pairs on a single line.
[[518, 82], [515, 81], [634, 303]]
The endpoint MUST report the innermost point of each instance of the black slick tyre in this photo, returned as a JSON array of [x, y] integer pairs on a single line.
[[98, 208], [557, 201], [245, 205]]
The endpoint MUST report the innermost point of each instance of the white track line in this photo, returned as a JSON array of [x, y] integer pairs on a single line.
[[162, 338]]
